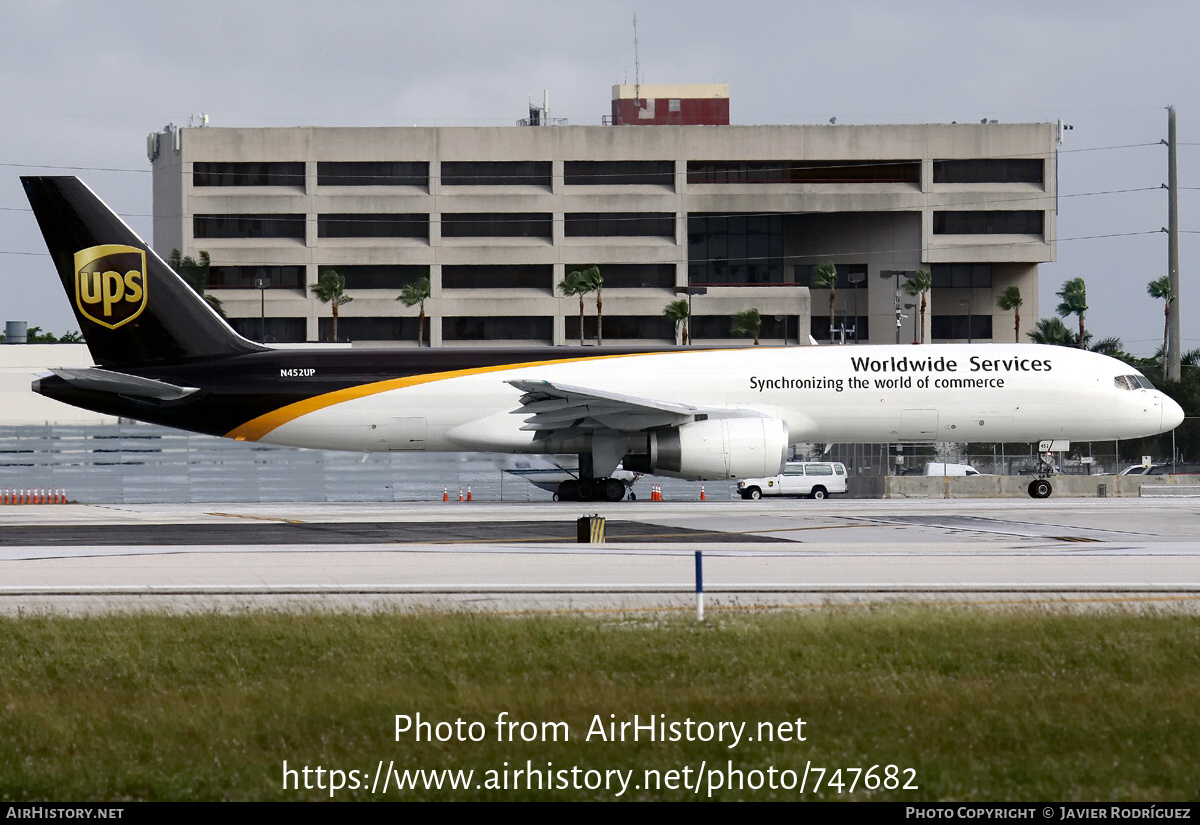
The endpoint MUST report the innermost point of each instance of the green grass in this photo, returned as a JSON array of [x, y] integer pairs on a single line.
[[984, 705]]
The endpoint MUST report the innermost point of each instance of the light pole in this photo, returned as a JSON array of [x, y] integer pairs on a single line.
[[896, 274], [910, 307], [855, 279], [261, 285], [967, 301]]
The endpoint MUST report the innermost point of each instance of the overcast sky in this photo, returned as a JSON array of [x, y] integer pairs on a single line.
[[83, 83]]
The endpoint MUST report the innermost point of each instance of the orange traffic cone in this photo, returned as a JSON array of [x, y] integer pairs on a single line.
[[445, 492], [702, 496], [468, 492], [460, 494]]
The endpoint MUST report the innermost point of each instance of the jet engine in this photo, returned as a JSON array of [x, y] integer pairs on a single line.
[[714, 449]]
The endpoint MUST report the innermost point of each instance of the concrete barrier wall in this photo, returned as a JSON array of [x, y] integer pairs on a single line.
[[1017, 486]]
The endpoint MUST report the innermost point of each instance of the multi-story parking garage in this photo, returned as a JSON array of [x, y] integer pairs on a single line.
[[496, 217]]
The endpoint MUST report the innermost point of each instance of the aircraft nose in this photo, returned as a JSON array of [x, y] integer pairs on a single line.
[[1172, 414]]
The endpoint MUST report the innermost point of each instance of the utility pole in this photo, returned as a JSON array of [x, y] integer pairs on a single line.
[[1171, 357]]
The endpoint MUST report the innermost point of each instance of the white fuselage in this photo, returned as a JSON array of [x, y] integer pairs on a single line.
[[952, 392]]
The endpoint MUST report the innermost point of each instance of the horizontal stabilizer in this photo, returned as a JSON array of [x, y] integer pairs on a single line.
[[118, 382]]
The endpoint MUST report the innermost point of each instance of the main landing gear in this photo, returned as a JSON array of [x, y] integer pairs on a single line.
[[591, 489]]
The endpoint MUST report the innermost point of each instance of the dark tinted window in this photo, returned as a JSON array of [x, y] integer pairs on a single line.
[[974, 327], [372, 329], [798, 171], [498, 328], [373, 173], [373, 225], [999, 222], [496, 173], [276, 330], [961, 276], [721, 326], [277, 277], [248, 226], [379, 276], [599, 224], [496, 225], [506, 276], [654, 327], [248, 174], [619, 173], [635, 276], [989, 170], [735, 249]]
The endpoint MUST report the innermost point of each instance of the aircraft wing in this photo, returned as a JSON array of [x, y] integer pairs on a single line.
[[557, 408]]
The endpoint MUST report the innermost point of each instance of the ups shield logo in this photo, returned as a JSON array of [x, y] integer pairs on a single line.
[[110, 284]]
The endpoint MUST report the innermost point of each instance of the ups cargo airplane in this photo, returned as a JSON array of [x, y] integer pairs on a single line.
[[164, 356]]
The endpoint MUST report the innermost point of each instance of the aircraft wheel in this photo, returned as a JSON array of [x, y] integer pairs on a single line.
[[1040, 488], [568, 491], [586, 491], [613, 490], [819, 493]]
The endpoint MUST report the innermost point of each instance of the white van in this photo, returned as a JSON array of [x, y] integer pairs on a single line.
[[815, 479]]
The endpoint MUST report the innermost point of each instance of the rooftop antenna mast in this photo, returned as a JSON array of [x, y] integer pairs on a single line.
[[637, 66]]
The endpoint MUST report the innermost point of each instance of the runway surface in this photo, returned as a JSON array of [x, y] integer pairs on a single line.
[[523, 557]]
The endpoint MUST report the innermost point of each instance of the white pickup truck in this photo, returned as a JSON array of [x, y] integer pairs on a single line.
[[815, 479]]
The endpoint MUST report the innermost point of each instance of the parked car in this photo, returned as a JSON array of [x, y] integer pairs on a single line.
[[1179, 468], [815, 479]]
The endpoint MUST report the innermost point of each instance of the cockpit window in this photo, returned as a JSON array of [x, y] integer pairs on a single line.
[[1133, 382]]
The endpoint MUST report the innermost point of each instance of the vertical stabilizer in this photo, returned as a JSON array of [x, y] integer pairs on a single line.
[[131, 307]]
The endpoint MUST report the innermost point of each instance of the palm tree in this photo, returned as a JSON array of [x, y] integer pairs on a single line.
[[679, 313], [1074, 302], [195, 274], [593, 281], [1010, 299], [575, 285], [920, 284], [747, 323], [1161, 288], [1052, 331], [825, 277], [413, 295], [330, 288]]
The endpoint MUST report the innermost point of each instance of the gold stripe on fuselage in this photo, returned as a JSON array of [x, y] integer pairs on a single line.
[[256, 428]]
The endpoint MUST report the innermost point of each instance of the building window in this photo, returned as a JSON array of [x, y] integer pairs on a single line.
[[998, 222], [373, 173], [248, 174], [504, 276], [961, 327], [619, 224], [244, 277], [379, 276], [735, 250], [496, 173], [652, 327], [634, 276], [619, 173], [721, 326], [989, 170], [496, 225], [371, 329], [804, 275], [961, 276], [373, 225], [274, 330], [248, 226], [804, 171], [498, 328], [819, 327]]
